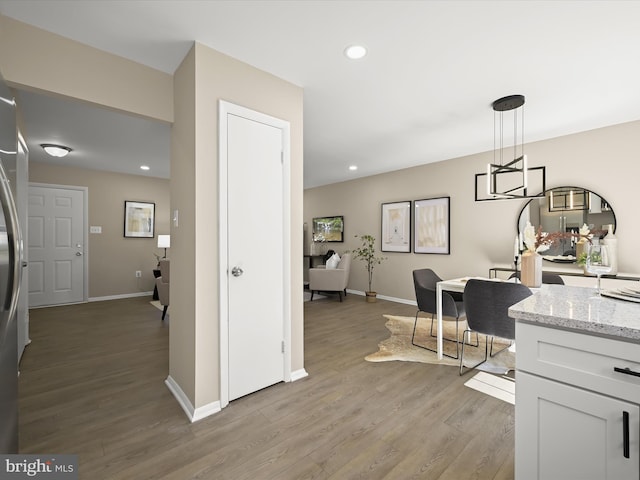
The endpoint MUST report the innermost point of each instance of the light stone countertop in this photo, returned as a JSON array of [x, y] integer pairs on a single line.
[[581, 309]]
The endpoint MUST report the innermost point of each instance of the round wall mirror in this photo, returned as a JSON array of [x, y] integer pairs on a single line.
[[566, 209]]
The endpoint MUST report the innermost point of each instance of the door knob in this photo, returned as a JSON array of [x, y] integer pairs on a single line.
[[237, 271], [78, 254]]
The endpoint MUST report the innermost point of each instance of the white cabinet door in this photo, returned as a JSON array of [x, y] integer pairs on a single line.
[[566, 433]]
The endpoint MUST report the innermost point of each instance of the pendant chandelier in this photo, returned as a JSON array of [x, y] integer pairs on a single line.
[[507, 177]]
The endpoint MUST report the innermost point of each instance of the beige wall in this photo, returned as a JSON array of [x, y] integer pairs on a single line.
[[113, 259], [34, 59], [26, 55], [205, 77], [37, 60], [182, 352], [482, 233]]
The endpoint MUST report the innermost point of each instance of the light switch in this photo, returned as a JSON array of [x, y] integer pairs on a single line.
[[175, 218], [95, 229]]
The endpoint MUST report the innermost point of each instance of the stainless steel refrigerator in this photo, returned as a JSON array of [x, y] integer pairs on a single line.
[[10, 272]]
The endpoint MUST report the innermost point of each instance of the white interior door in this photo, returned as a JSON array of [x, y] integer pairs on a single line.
[[255, 284], [56, 243]]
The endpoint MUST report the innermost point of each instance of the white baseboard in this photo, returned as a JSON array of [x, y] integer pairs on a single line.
[[298, 374], [384, 297], [118, 297], [398, 300], [355, 292], [206, 410], [193, 414]]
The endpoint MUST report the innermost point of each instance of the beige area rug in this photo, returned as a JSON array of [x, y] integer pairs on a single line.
[[398, 346]]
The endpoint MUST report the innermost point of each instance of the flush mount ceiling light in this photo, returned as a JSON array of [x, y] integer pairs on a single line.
[[353, 167], [508, 176], [55, 150], [355, 52], [145, 167]]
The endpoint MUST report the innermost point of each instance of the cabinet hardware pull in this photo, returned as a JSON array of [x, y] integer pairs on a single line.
[[626, 371], [625, 434]]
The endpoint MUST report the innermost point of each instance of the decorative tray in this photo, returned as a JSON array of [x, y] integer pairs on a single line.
[[559, 258], [627, 294]]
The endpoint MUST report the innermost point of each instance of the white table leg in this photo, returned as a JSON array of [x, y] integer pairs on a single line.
[[439, 317]]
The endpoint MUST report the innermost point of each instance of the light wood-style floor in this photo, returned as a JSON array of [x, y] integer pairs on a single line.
[[92, 383]]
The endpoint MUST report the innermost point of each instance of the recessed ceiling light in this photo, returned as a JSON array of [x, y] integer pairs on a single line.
[[353, 167], [144, 167], [55, 150], [355, 52]]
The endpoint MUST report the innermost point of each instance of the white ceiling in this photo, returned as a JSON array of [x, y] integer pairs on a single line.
[[422, 94], [101, 139]]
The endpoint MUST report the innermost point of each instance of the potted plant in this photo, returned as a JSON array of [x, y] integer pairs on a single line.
[[367, 253]]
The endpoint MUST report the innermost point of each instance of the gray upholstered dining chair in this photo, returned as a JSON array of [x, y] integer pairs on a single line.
[[424, 282], [548, 278], [486, 304], [162, 283]]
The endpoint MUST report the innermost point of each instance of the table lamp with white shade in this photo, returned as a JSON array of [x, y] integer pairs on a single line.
[[164, 241]]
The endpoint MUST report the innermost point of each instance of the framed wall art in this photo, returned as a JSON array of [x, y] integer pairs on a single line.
[[139, 219], [328, 229], [432, 233], [396, 227]]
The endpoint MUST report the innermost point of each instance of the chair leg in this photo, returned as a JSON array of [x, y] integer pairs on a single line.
[[415, 325], [164, 311], [451, 340], [486, 353], [311, 300], [340, 295], [457, 337], [502, 349]]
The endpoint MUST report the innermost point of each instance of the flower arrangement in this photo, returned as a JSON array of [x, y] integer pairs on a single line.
[[539, 241], [585, 232]]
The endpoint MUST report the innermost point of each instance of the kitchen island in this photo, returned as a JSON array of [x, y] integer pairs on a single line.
[[577, 386]]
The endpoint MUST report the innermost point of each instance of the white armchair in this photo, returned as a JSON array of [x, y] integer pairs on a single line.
[[323, 279]]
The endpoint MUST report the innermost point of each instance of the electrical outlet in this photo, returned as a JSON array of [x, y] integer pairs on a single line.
[[138, 274]]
